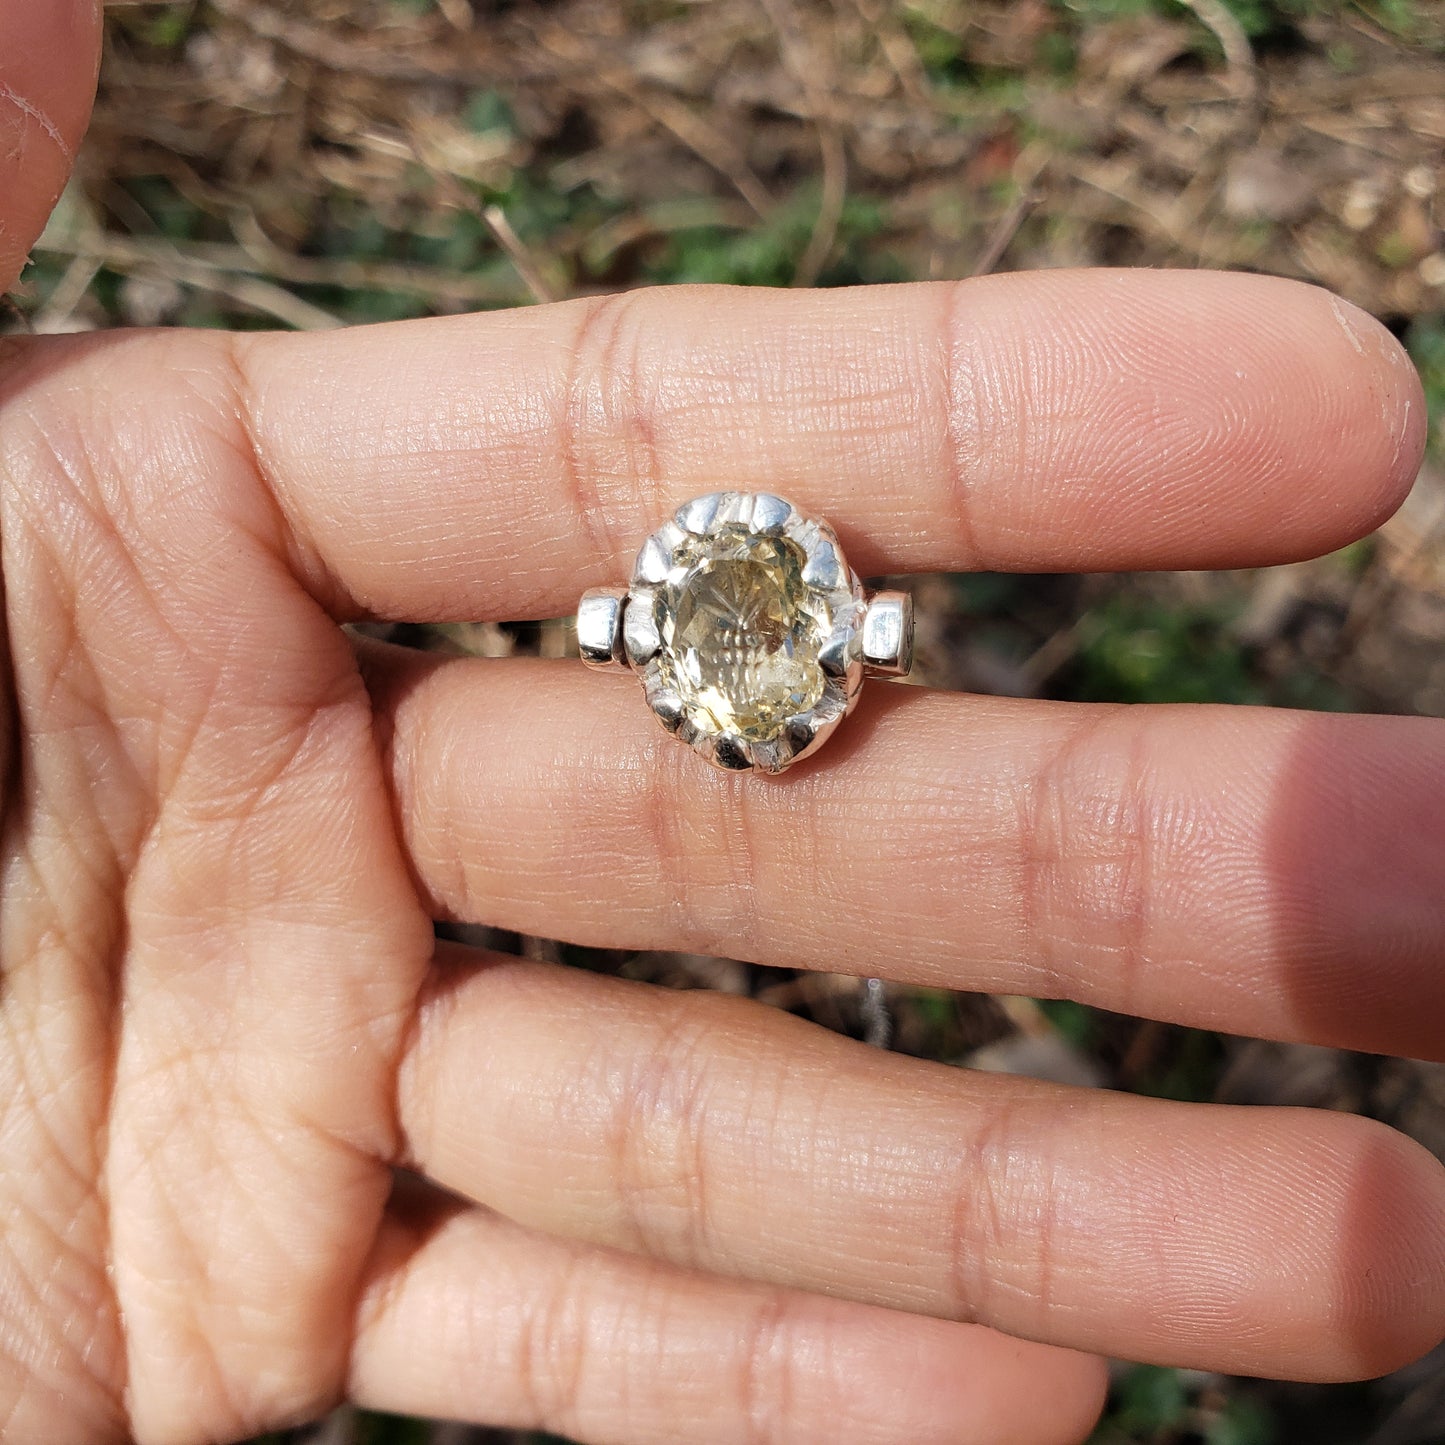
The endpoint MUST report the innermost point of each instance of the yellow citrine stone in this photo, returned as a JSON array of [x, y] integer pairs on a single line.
[[744, 622], [741, 632]]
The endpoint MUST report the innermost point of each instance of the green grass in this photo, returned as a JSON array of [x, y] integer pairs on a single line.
[[768, 253], [1151, 1405]]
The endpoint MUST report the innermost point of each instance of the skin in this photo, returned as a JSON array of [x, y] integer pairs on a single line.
[[266, 1146]]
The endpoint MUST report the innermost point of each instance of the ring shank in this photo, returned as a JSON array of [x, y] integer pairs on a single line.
[[599, 628]]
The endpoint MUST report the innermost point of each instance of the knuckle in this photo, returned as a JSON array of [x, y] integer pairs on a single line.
[[660, 1142], [551, 1351], [1086, 856], [969, 418], [981, 1230], [607, 425], [764, 1384]]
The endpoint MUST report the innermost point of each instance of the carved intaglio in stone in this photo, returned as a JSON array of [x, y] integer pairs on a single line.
[[741, 632], [749, 630], [745, 623]]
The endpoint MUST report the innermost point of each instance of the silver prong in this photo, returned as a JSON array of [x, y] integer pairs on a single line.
[[769, 513], [773, 756], [732, 753], [666, 706], [833, 704], [639, 635], [801, 733], [654, 562], [822, 569], [599, 627], [888, 634], [837, 653], [697, 515]]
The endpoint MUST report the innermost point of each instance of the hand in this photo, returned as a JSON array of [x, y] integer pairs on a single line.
[[228, 826]]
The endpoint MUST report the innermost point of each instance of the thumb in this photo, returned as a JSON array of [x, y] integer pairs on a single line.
[[49, 52]]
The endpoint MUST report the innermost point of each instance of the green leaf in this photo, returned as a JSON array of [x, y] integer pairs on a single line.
[[1241, 1422], [1152, 1398]]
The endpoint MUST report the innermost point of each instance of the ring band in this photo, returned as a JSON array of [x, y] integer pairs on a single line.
[[749, 630]]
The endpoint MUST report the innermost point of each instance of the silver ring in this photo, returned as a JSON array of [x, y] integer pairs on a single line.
[[749, 630]]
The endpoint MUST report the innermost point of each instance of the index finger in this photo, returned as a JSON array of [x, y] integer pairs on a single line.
[[495, 465]]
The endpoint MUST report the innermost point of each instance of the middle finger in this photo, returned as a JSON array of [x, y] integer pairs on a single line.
[[1269, 873]]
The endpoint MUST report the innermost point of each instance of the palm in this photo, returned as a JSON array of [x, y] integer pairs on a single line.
[[213, 945]]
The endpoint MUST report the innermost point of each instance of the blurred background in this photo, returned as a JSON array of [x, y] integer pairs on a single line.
[[255, 163]]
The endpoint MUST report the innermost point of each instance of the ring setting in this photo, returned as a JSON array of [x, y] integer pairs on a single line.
[[749, 631]]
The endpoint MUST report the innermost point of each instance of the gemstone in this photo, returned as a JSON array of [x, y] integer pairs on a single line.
[[741, 632], [744, 622]]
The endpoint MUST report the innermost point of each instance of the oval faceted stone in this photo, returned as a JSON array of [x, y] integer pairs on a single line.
[[741, 632]]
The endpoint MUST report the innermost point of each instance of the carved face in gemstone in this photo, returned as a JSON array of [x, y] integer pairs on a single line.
[[743, 619]]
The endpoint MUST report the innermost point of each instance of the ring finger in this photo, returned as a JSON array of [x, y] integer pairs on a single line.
[[715, 1134]]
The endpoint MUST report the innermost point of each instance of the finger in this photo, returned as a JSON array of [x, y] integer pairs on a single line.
[[1269, 873], [466, 1315], [49, 50], [713, 1133], [492, 466]]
